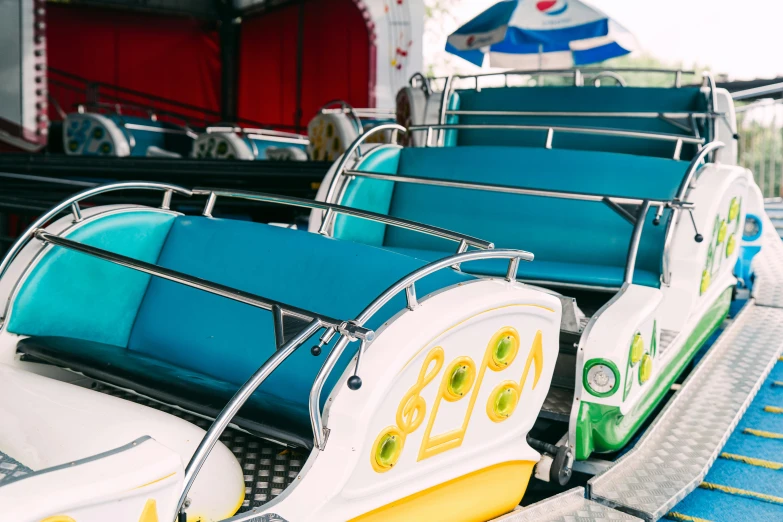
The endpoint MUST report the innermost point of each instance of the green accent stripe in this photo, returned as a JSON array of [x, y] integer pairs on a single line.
[[603, 428]]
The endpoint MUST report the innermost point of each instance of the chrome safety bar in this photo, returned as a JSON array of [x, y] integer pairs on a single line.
[[73, 203], [354, 149], [210, 287], [510, 189], [690, 175], [607, 114], [679, 140], [407, 285], [332, 209], [349, 331], [579, 76], [578, 73]]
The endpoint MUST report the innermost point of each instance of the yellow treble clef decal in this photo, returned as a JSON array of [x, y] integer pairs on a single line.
[[410, 414]]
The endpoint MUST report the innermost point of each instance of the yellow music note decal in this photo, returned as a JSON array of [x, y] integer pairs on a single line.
[[504, 398], [410, 414]]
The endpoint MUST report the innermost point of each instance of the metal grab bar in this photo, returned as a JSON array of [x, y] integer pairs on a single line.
[[349, 331], [579, 73], [608, 74], [608, 114], [682, 190], [509, 189], [514, 256], [210, 287], [660, 136], [332, 209], [354, 149], [73, 203]]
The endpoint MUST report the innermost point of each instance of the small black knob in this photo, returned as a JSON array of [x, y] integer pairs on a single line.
[[354, 382], [698, 238], [316, 350], [657, 221]]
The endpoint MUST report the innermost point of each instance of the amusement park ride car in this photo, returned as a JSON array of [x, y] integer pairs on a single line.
[[510, 297]]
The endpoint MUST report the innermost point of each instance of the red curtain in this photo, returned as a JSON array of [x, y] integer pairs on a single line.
[[177, 58], [335, 65]]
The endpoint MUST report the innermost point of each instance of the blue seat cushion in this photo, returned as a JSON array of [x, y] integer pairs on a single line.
[[561, 233], [580, 99], [550, 271], [228, 341]]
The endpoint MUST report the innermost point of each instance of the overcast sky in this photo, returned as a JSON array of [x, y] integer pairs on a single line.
[[743, 38]]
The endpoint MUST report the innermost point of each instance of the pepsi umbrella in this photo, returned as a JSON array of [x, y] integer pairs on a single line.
[[544, 34]]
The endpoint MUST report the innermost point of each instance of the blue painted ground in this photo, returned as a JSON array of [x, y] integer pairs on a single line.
[[731, 506]]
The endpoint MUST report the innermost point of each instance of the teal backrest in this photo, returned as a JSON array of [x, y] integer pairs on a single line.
[[559, 230], [228, 340], [73, 295], [580, 99]]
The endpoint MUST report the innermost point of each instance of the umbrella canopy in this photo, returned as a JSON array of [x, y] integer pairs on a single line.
[[545, 34]]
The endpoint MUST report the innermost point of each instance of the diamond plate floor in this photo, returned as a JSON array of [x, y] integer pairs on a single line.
[[268, 467], [569, 506], [679, 447], [768, 269]]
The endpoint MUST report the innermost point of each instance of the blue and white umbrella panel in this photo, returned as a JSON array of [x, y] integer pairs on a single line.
[[540, 34]]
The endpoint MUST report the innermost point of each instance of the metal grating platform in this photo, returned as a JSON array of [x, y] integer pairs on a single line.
[[11, 469], [768, 269], [268, 467], [569, 506], [678, 449]]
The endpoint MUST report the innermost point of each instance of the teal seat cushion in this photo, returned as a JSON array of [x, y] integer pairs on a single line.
[[580, 99], [70, 294], [228, 341], [560, 232]]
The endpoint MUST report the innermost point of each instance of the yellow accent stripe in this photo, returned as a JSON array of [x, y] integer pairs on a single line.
[[773, 409], [752, 461], [777, 383], [780, 359], [761, 433], [742, 492], [673, 515]]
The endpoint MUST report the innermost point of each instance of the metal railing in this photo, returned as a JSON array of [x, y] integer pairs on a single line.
[[332, 209], [550, 130], [348, 330], [578, 74], [408, 285], [73, 203], [578, 77], [614, 202]]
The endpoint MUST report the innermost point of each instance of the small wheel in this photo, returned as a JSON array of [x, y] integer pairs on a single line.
[[560, 472]]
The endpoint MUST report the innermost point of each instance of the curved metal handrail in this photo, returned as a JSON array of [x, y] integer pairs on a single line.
[[73, 202], [346, 108], [596, 79], [407, 284], [555, 128], [463, 239], [693, 169], [354, 149], [425, 82]]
